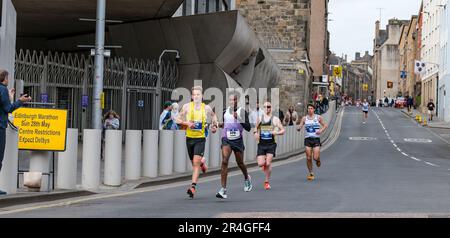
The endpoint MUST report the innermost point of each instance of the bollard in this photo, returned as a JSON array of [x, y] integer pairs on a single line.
[[40, 162], [8, 173], [133, 154], [179, 157], [150, 155], [206, 155], [113, 158], [165, 152], [67, 162], [424, 122], [215, 149], [90, 175], [252, 146], [246, 139]]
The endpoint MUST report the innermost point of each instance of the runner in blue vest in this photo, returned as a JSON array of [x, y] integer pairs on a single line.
[[313, 130]]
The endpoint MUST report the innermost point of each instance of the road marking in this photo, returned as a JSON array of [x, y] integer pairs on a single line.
[[414, 158], [395, 145], [399, 150], [431, 164], [392, 141], [362, 138], [417, 140], [403, 153]]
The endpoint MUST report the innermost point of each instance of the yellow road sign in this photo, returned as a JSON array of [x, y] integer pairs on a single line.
[[365, 87], [41, 129], [337, 71]]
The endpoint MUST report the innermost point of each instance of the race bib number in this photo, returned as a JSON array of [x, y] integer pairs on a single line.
[[233, 134], [198, 125], [266, 135], [310, 129]]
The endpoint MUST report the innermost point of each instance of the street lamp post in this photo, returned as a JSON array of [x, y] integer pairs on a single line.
[[158, 98], [99, 61]]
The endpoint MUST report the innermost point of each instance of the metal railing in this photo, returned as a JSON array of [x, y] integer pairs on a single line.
[[63, 79]]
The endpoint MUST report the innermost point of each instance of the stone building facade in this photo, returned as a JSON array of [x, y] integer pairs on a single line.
[[387, 59], [286, 28]]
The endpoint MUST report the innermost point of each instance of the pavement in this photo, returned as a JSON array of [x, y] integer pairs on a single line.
[[25, 196], [435, 123], [387, 167]]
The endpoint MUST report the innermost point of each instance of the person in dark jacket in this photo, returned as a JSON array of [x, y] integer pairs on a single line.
[[7, 107]]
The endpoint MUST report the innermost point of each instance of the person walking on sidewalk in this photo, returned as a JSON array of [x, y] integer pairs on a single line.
[[235, 120], [194, 116], [313, 130], [365, 109], [7, 107], [267, 127], [430, 107]]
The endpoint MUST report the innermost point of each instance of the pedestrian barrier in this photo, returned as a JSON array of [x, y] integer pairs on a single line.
[[67, 162], [133, 147], [165, 152], [8, 173], [214, 149], [90, 174], [151, 151], [179, 156], [113, 158]]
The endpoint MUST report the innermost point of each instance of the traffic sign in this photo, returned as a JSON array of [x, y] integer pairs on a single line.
[[41, 129], [140, 103]]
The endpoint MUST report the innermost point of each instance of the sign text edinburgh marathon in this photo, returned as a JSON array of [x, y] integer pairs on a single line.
[[41, 129]]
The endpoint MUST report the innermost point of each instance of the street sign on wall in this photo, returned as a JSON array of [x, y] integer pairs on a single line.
[[337, 71], [390, 84], [41, 129], [365, 87]]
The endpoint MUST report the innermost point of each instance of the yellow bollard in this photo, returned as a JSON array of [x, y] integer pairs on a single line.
[[420, 119], [424, 122], [417, 117]]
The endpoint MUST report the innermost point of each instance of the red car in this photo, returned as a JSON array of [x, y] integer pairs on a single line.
[[400, 102]]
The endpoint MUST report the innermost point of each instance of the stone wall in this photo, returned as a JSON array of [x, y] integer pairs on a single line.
[[282, 27]]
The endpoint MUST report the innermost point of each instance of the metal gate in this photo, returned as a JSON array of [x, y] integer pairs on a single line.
[[67, 80]]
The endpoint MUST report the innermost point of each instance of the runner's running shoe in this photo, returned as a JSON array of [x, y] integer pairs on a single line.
[[222, 193], [248, 184], [191, 192], [267, 186]]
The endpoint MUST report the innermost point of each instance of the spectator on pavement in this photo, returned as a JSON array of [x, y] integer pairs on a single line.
[[291, 117], [430, 107], [7, 107], [166, 121]]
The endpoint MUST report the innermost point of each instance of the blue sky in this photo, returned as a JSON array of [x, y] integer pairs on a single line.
[[352, 27]]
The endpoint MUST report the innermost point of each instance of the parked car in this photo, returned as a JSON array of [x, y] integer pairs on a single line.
[[400, 102]]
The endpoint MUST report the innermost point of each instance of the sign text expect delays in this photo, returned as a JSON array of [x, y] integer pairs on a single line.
[[41, 129]]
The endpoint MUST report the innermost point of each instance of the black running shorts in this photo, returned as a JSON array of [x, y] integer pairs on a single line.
[[236, 145], [264, 149], [312, 142], [195, 146]]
